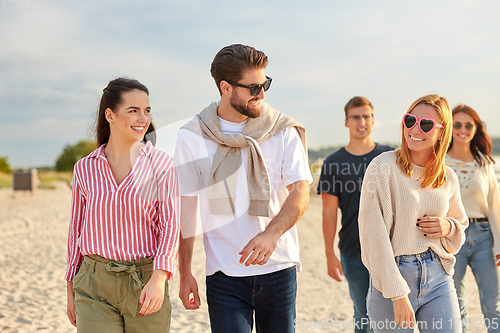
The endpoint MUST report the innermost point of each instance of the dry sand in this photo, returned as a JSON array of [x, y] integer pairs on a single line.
[[33, 232]]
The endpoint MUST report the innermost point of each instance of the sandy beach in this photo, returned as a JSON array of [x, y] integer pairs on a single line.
[[33, 233]]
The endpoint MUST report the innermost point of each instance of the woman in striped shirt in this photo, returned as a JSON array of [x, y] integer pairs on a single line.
[[124, 227]]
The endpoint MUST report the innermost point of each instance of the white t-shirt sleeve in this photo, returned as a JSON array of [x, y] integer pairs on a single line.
[[190, 180], [295, 166]]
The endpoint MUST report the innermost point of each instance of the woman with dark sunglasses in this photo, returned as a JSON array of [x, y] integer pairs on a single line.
[[411, 223], [469, 155]]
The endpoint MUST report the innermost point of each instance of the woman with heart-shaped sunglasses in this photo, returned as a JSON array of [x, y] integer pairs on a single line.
[[411, 222], [469, 155]]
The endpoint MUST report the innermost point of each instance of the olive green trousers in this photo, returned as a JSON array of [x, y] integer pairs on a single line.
[[107, 296]]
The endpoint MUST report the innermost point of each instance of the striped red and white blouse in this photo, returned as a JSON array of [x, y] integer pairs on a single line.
[[137, 219]]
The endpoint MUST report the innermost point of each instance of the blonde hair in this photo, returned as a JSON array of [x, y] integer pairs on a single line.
[[434, 169]]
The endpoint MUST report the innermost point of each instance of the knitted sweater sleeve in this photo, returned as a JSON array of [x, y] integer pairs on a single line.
[[493, 206], [457, 217], [376, 220]]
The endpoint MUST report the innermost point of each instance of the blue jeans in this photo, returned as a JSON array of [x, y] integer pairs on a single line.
[[358, 278], [432, 296], [232, 302], [478, 253]]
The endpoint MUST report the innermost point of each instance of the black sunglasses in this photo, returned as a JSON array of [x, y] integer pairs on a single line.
[[468, 126], [426, 125], [254, 90]]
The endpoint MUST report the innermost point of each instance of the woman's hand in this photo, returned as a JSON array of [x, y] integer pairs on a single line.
[[404, 315], [70, 303], [153, 293], [433, 226]]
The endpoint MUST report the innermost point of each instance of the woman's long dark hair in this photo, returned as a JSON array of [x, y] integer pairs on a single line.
[[481, 142], [112, 98]]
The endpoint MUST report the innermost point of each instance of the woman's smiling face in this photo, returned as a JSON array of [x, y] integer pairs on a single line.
[[418, 141], [463, 135], [132, 119]]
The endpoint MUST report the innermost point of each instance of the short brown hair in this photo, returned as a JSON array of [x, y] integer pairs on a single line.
[[232, 61], [356, 102]]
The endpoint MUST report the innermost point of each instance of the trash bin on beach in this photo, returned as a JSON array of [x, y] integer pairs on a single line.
[[25, 180]]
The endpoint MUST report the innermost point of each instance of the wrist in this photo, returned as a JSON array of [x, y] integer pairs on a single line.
[[329, 250], [398, 298], [185, 271], [330, 255], [273, 231], [159, 275]]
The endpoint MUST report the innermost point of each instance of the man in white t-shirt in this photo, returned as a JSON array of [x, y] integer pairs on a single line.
[[247, 164]]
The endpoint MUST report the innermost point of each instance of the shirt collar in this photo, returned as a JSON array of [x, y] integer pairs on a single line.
[[98, 152], [147, 149]]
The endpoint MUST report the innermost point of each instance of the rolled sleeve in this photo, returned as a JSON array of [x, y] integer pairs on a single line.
[[166, 263], [71, 271]]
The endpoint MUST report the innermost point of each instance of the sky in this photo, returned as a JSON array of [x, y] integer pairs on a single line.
[[56, 57]]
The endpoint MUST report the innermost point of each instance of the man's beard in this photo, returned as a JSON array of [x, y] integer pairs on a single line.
[[242, 107]]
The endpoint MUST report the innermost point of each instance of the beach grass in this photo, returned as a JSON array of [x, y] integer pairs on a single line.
[[47, 180], [5, 180]]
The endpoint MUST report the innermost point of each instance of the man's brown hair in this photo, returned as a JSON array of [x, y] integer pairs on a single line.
[[232, 61], [356, 102]]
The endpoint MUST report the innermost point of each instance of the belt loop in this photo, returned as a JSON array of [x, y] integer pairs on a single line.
[[93, 266]]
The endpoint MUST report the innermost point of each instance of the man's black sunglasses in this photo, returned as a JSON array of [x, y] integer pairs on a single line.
[[254, 90]]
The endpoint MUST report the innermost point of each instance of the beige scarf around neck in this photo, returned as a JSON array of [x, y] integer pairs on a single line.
[[227, 160]]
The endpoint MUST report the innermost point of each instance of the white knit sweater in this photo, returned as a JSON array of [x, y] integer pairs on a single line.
[[391, 202], [479, 190]]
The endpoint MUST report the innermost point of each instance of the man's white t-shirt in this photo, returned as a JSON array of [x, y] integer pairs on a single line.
[[224, 236]]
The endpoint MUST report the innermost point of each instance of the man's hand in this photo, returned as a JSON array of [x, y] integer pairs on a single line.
[[404, 315], [330, 211], [260, 248], [433, 226], [153, 293], [334, 267], [70, 303], [187, 287]]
